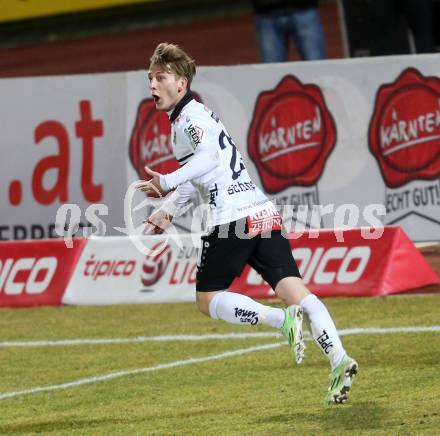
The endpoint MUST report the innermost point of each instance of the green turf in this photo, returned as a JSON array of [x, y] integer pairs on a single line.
[[260, 393]]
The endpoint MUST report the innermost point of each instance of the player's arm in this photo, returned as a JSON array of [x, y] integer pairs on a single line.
[[202, 138], [178, 199], [205, 158], [173, 205], [203, 161], [204, 144]]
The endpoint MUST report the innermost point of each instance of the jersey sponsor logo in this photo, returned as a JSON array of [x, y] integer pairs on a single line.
[[213, 193], [264, 221], [291, 135], [404, 133], [195, 135], [27, 275], [238, 187]]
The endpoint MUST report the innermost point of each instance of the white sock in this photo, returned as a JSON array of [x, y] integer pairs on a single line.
[[323, 329], [239, 309]]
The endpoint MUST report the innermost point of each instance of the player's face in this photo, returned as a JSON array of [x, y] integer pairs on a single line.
[[166, 88]]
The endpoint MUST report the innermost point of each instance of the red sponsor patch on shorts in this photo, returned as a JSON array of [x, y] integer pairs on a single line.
[[264, 221]]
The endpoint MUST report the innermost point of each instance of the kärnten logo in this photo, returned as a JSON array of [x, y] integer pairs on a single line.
[[404, 138], [404, 132], [292, 134]]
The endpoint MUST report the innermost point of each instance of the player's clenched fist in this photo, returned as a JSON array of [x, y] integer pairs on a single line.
[[157, 223]]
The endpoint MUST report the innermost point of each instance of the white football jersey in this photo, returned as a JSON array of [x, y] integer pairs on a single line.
[[212, 164]]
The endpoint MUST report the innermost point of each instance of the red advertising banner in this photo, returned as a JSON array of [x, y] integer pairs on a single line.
[[346, 263], [36, 273], [113, 270]]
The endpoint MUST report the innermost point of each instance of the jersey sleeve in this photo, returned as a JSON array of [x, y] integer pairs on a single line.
[[175, 201], [202, 137]]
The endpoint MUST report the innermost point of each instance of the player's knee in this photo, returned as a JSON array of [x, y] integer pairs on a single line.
[[202, 300], [291, 290]]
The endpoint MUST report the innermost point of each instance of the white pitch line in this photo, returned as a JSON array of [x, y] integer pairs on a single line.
[[168, 338], [165, 338], [118, 374], [384, 330], [112, 375]]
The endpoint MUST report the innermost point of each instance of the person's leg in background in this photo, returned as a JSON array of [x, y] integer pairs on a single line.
[[308, 34], [272, 42]]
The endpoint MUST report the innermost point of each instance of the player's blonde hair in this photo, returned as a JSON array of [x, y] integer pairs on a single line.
[[174, 60]]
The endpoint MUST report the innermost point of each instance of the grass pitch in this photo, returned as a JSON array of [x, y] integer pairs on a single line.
[[260, 392]]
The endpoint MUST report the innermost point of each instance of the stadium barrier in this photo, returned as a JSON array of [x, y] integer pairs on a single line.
[[120, 269], [36, 273], [351, 263], [161, 269]]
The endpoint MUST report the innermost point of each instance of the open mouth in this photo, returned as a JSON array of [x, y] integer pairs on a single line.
[[156, 98]]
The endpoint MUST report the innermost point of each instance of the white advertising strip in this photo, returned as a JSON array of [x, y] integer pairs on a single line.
[[351, 132], [124, 270]]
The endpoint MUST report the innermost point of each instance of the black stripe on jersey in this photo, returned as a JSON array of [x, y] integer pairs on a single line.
[[185, 157]]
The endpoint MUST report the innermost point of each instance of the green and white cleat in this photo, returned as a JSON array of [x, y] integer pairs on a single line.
[[292, 330], [341, 380]]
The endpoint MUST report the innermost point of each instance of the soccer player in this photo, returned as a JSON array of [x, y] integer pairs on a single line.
[[244, 226]]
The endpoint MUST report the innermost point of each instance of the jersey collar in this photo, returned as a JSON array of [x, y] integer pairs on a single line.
[[179, 106]]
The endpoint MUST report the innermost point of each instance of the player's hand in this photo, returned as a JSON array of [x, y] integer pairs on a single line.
[[151, 187], [157, 223]]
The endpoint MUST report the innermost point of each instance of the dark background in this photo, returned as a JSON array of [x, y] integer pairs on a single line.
[[213, 32]]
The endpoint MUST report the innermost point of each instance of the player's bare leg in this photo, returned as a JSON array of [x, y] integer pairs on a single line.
[[292, 290]]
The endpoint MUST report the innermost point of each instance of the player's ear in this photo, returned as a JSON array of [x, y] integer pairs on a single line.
[[183, 83]]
